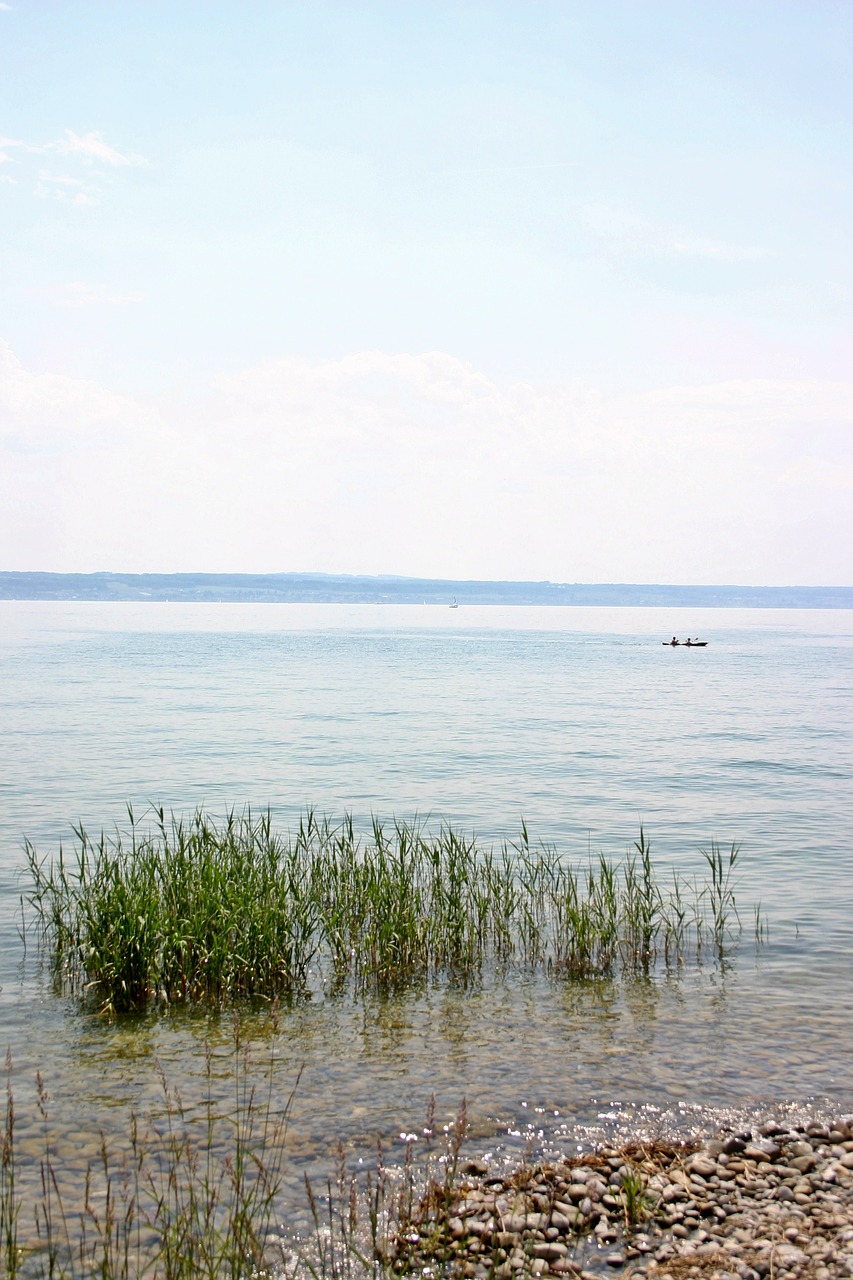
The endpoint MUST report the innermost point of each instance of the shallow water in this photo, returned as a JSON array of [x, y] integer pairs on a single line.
[[577, 720]]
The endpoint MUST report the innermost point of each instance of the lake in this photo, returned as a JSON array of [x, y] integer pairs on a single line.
[[577, 720]]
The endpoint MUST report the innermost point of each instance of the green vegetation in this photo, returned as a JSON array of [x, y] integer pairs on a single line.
[[199, 911], [374, 1226], [635, 1201], [10, 1207], [189, 1199], [197, 1194]]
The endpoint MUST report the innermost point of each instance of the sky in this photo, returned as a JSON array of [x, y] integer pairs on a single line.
[[511, 290]]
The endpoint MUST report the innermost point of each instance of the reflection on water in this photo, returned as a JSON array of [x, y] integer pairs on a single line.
[[578, 721], [540, 1064]]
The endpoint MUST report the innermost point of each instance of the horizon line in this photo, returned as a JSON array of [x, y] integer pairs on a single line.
[[415, 578]]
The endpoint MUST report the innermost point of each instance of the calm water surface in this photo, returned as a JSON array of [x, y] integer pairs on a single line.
[[577, 720]]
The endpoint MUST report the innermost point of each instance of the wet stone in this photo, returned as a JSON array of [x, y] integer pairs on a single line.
[[550, 1251], [803, 1164], [772, 1218], [577, 1191]]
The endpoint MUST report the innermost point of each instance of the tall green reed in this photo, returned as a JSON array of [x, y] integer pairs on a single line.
[[10, 1206], [199, 911], [720, 892]]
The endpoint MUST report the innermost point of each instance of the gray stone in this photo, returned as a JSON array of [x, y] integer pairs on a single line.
[[550, 1251], [788, 1255], [577, 1191], [566, 1221]]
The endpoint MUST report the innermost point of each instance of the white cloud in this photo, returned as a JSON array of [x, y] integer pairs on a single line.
[[92, 147], [382, 462], [62, 179], [626, 232], [65, 189], [52, 413]]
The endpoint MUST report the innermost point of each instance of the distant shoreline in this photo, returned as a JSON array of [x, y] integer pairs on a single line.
[[322, 588]]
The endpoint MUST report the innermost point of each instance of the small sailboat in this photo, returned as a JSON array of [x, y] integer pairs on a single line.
[[455, 604]]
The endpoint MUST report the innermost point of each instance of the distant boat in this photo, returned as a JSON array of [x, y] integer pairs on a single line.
[[455, 604], [684, 644]]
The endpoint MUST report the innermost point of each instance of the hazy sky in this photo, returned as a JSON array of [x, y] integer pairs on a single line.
[[520, 289]]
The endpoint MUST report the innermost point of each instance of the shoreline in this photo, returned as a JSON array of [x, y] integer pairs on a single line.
[[761, 1196], [771, 1202]]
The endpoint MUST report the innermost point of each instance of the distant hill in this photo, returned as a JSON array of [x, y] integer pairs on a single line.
[[323, 588]]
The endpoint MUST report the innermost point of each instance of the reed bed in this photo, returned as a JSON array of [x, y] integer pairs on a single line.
[[200, 911]]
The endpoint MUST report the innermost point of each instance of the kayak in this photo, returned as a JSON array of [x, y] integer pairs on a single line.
[[684, 644]]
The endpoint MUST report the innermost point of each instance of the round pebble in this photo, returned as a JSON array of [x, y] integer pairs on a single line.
[[739, 1207]]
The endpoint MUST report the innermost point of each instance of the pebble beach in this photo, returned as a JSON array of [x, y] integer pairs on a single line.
[[771, 1203]]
